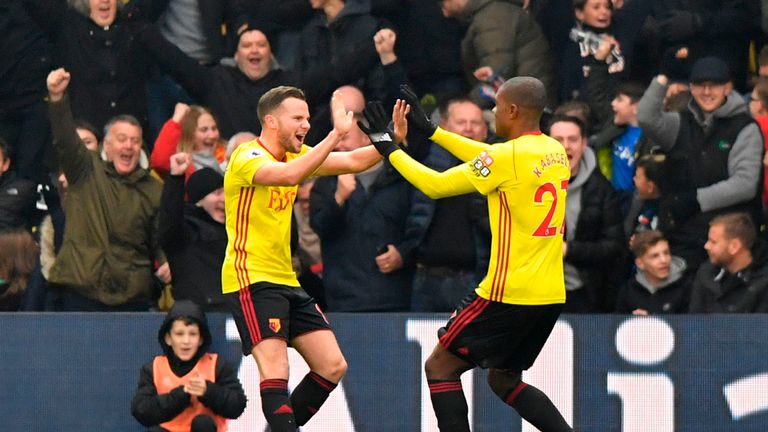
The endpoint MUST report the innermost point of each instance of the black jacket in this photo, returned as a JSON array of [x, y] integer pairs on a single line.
[[350, 237], [194, 245], [26, 58], [109, 70], [230, 94], [715, 290], [225, 397], [598, 242], [671, 297], [17, 201]]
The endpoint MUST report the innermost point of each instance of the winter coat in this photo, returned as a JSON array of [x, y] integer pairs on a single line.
[[109, 69], [503, 36], [351, 236], [26, 55], [670, 296], [423, 212], [195, 245], [17, 201], [740, 164], [597, 241], [715, 290], [110, 240]]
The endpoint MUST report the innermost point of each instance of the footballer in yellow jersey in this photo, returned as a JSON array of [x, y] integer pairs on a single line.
[[504, 324], [268, 305]]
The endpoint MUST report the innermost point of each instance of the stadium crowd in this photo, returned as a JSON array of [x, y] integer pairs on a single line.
[[118, 117]]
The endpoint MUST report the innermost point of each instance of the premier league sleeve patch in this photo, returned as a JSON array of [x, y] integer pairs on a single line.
[[481, 164]]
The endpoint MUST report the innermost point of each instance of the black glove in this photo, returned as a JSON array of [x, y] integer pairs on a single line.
[[683, 205], [681, 25], [378, 129], [417, 117]]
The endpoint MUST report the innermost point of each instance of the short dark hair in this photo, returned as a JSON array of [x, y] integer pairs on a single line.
[[653, 164], [84, 124], [269, 101], [579, 4], [557, 118], [574, 106], [632, 89], [737, 226], [645, 240]]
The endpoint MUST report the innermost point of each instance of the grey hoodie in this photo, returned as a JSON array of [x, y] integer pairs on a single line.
[[676, 271], [744, 160], [588, 163]]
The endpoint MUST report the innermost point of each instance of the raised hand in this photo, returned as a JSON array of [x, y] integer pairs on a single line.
[[342, 119], [384, 41], [180, 163], [417, 117], [399, 120], [179, 111], [57, 81]]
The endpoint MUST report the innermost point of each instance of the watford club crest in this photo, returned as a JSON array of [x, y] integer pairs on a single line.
[[274, 324]]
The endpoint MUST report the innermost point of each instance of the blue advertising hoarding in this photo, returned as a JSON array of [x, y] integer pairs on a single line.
[[74, 372]]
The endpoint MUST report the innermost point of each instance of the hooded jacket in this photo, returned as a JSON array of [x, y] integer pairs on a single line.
[[670, 296], [194, 244], [110, 239], [225, 397], [594, 234], [736, 186]]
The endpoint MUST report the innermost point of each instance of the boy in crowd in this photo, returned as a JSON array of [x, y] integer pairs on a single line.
[[660, 285], [187, 388]]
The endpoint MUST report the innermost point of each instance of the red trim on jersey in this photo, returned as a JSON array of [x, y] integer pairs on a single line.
[[249, 312], [502, 253], [532, 133], [241, 236], [443, 387], [512, 396], [258, 140], [465, 317]]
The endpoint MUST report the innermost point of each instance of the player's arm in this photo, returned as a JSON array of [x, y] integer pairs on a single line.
[[293, 172], [463, 148], [349, 162], [433, 184]]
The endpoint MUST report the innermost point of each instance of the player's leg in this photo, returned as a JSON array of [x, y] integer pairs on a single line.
[[531, 403], [259, 312], [443, 370], [326, 368]]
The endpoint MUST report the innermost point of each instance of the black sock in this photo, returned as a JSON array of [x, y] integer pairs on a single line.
[[450, 405], [276, 406], [536, 408], [309, 395]]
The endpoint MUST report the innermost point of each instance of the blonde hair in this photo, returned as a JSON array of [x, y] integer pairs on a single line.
[[188, 125]]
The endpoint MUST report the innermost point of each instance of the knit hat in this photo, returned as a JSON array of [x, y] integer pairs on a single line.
[[202, 182], [710, 69]]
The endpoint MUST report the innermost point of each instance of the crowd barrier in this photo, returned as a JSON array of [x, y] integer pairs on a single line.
[[78, 372]]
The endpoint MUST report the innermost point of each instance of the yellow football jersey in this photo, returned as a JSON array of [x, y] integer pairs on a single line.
[[258, 219]]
